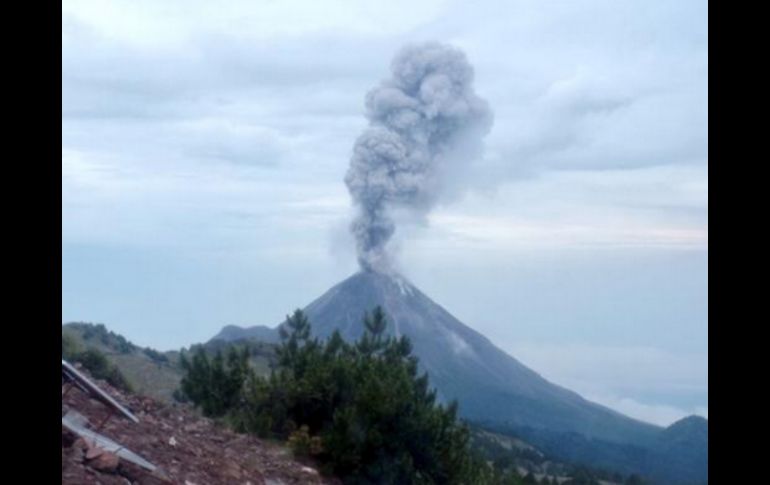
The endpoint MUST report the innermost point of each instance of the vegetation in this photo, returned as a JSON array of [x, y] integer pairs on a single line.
[[156, 356], [142, 370], [583, 461], [152, 372], [96, 363], [108, 338], [214, 385], [509, 455], [360, 409]]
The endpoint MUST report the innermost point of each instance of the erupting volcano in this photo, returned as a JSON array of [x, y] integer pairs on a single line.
[[426, 127]]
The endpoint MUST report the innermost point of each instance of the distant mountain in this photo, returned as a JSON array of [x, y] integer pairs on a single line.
[[692, 431], [258, 332], [681, 452], [490, 385], [678, 455]]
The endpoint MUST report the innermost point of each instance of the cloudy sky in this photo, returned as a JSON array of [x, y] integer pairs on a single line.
[[204, 146]]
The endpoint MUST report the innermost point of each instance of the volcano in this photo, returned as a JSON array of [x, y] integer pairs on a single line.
[[495, 390], [462, 364]]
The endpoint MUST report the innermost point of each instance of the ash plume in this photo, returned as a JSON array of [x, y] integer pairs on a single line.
[[425, 125]]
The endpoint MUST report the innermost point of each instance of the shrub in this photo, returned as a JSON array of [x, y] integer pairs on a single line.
[[100, 368]]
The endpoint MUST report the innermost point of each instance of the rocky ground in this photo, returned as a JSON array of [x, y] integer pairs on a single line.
[[187, 448]]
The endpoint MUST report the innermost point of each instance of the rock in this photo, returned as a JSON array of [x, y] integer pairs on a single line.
[[232, 470], [172, 441], [80, 443], [93, 452], [78, 455], [105, 462]]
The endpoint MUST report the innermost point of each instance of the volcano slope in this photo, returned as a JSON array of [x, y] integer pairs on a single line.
[[462, 364], [490, 386]]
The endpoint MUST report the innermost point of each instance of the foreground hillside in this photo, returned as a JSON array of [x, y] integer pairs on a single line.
[[157, 374], [187, 448], [147, 371]]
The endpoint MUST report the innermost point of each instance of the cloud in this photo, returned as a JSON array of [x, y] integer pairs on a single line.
[[175, 90], [660, 414], [625, 368], [591, 87], [594, 121], [651, 207], [647, 383], [106, 200]]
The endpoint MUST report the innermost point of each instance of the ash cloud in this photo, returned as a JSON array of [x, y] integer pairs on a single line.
[[426, 125]]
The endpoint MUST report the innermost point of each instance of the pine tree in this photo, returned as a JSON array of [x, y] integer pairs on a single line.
[[361, 409]]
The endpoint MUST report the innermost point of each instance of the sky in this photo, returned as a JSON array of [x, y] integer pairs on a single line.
[[204, 147]]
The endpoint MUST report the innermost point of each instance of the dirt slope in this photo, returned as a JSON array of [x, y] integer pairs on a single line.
[[187, 448]]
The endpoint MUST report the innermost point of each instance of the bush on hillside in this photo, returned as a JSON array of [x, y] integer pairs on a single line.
[[214, 384], [155, 356], [361, 409], [97, 364]]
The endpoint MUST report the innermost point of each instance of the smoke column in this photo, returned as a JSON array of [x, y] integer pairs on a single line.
[[425, 124]]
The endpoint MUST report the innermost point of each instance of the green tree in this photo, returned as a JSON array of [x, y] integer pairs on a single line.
[[69, 348], [214, 384], [529, 478], [374, 419], [361, 409], [196, 384], [634, 479]]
